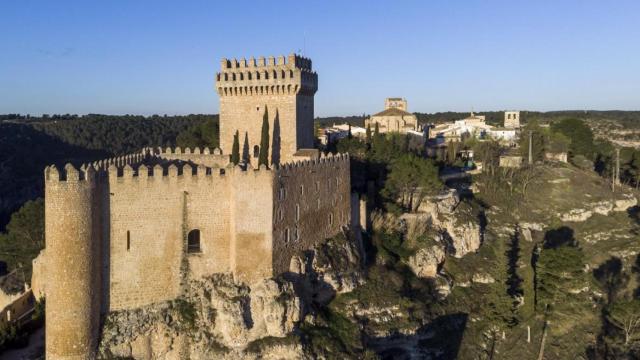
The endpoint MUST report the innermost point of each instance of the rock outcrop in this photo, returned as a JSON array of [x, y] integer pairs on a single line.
[[601, 207], [425, 262], [331, 268], [216, 317]]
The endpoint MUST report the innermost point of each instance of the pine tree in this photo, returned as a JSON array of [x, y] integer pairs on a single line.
[[235, 150], [263, 159]]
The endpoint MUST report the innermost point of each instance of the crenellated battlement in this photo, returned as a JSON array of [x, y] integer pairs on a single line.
[[321, 161], [160, 171], [291, 61], [178, 150], [275, 76]]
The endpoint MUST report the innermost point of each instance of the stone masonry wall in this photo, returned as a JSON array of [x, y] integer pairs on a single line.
[[311, 204]]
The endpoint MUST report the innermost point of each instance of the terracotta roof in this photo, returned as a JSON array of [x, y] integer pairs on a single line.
[[393, 112]]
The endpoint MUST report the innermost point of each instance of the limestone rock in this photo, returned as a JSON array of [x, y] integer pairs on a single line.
[[626, 203], [482, 278], [424, 263], [576, 215], [217, 317], [443, 287]]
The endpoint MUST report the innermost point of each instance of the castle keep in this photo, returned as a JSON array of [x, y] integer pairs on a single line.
[[130, 231], [281, 91]]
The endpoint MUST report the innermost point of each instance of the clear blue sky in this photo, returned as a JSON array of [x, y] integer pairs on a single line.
[[146, 57]]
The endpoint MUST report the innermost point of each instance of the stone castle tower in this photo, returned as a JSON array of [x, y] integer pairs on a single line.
[[126, 232], [279, 89]]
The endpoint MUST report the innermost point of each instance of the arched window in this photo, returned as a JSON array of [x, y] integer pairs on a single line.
[[193, 241], [256, 151]]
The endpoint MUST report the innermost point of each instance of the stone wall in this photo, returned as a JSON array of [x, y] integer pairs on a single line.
[[311, 203]]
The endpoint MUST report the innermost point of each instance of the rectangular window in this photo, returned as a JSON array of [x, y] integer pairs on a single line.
[[128, 240], [297, 212]]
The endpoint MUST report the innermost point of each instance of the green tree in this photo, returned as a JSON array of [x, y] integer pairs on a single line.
[[557, 142], [235, 150], [580, 135], [24, 237], [612, 278], [625, 316], [202, 135], [263, 158], [410, 179], [514, 280], [559, 269]]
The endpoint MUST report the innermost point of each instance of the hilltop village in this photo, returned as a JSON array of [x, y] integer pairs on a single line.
[[395, 237]]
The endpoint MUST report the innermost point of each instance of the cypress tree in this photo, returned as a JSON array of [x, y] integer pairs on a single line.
[[369, 134], [235, 150], [376, 131], [350, 135], [263, 159]]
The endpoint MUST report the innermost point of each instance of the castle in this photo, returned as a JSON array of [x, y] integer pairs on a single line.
[[130, 231]]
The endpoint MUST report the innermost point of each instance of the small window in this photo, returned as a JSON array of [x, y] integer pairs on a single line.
[[296, 234], [318, 204], [256, 151], [280, 215], [301, 189], [330, 219], [193, 241], [128, 240], [283, 193], [297, 212], [317, 186], [286, 236]]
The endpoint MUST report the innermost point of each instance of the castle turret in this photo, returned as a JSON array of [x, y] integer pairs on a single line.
[[279, 89], [72, 240]]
